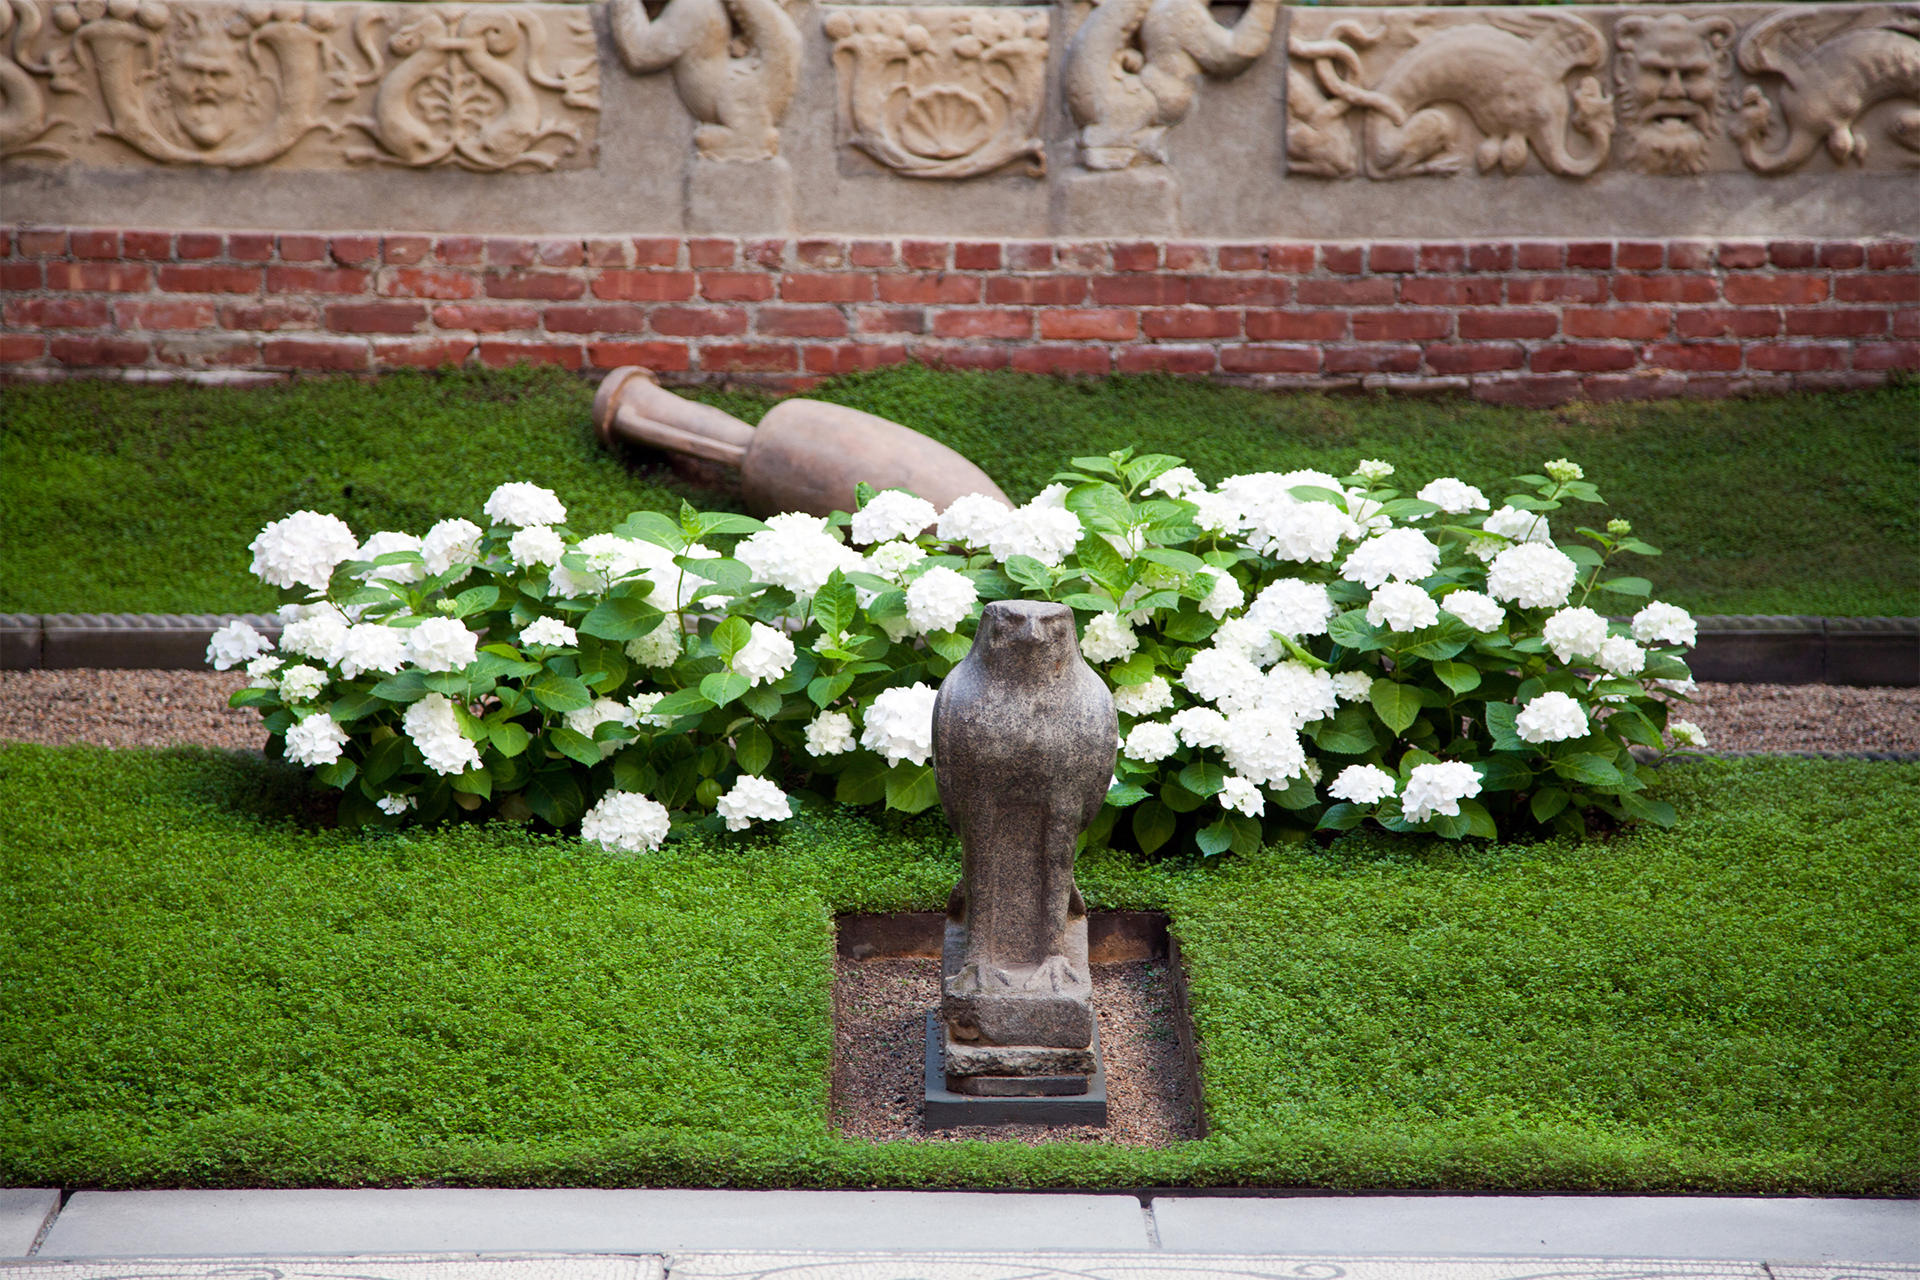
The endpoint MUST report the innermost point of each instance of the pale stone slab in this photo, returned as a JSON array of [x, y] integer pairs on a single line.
[[147, 1224], [23, 1211], [1791, 1230], [1000, 1266], [414, 1267]]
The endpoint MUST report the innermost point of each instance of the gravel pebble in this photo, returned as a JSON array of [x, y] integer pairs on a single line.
[[879, 1065], [189, 708]]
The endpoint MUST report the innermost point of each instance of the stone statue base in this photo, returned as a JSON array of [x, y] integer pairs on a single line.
[[981, 1103], [1143, 201], [1051, 1010], [739, 197]]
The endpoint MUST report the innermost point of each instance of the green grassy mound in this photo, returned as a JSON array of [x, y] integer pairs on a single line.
[[198, 990], [118, 497]]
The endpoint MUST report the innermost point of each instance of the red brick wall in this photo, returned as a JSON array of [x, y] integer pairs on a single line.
[[1532, 320]]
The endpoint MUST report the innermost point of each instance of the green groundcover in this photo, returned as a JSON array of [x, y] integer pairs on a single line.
[[201, 988], [117, 497]]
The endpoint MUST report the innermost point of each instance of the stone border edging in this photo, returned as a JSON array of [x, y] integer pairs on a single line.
[[1734, 648]]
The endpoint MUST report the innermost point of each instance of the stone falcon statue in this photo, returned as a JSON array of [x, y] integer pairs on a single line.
[[1024, 741]]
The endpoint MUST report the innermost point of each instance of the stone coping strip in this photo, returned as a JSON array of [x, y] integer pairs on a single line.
[[1733, 649]]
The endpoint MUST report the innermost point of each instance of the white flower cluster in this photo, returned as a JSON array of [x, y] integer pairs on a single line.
[[1438, 789], [752, 798], [1664, 623], [767, 655], [521, 504], [316, 740], [449, 543], [302, 549], [235, 644], [435, 730], [797, 552], [441, 644], [1402, 606], [385, 543], [536, 545], [893, 513], [588, 719], [899, 724], [1455, 497], [1398, 555], [660, 647], [1108, 639], [830, 734], [1363, 784], [940, 600], [626, 821], [1551, 717], [550, 632], [1143, 699], [371, 646], [1532, 575]]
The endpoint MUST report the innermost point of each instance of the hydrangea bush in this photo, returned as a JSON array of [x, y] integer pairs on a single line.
[[1287, 651]]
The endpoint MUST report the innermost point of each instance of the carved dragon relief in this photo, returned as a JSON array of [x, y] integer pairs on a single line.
[[1832, 68], [1133, 66], [942, 92], [735, 65], [1500, 76], [232, 85]]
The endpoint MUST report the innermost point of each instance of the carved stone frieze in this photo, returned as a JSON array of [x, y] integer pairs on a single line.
[[735, 65], [942, 92], [1819, 71], [1437, 91], [1133, 66], [1672, 73], [303, 85]]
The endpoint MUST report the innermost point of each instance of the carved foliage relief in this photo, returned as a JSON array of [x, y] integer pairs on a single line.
[[942, 92], [309, 85], [1395, 93]]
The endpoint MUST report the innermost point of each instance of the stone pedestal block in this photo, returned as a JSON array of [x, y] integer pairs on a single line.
[[739, 197], [1144, 201]]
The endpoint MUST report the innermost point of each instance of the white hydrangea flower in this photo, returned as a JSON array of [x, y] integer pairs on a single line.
[[1149, 741], [1518, 526], [1662, 623], [1225, 596], [1405, 555], [830, 734], [301, 683], [1300, 692], [1293, 608], [1248, 638], [550, 632], [1455, 497], [1562, 470], [1216, 513], [316, 740], [1352, 686], [1308, 532], [1314, 772], [1532, 576], [893, 513], [1143, 699], [660, 647], [1240, 796], [891, 560], [626, 821], [1373, 470], [1257, 487], [900, 724], [372, 646], [235, 644], [753, 798], [1438, 789], [1041, 529], [602, 711], [536, 545], [1363, 784], [1263, 745], [320, 636], [1475, 609], [971, 520], [522, 504], [797, 552], [767, 655], [394, 806], [1622, 656], [449, 543], [435, 730], [1551, 717], [1402, 606], [1684, 688], [1108, 639], [442, 644], [1685, 733], [1575, 633], [1176, 482], [1368, 517], [383, 543], [261, 670], [609, 557], [1223, 677], [940, 600], [302, 549], [1200, 727], [642, 705]]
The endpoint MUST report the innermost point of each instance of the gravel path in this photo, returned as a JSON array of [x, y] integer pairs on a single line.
[[174, 708]]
